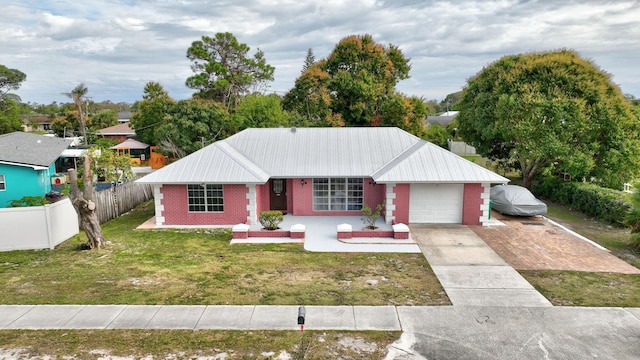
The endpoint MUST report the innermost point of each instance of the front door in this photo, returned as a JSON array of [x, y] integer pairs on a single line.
[[279, 194]]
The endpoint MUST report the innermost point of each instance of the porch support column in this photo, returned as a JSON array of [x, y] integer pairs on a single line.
[[157, 200], [252, 210], [485, 196], [389, 203]]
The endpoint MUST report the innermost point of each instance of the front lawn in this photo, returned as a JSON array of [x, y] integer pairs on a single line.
[[188, 344], [189, 267], [574, 288]]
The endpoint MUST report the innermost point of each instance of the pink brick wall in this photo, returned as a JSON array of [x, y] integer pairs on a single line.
[[472, 200], [290, 186], [401, 213], [301, 196], [176, 209], [263, 197], [372, 233], [269, 233]]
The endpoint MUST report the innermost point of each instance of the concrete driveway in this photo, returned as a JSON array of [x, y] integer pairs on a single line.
[[470, 272]]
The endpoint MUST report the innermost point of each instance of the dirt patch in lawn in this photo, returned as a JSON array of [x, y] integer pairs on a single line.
[[533, 243]]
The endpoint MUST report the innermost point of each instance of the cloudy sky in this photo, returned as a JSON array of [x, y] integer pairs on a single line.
[[116, 46]]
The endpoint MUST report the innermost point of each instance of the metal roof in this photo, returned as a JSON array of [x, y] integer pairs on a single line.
[[386, 154], [30, 149], [427, 162], [120, 129], [216, 163], [131, 144]]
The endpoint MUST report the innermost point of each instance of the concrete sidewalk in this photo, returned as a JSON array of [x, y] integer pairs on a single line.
[[197, 317]]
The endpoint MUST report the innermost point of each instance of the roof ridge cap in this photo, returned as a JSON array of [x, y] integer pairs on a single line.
[[398, 159], [241, 160]]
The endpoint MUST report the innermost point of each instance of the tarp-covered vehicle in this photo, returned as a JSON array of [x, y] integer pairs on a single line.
[[516, 200]]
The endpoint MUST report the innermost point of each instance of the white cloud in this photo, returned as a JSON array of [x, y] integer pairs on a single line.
[[115, 47]]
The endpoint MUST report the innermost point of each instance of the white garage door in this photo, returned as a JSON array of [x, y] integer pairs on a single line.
[[436, 203]]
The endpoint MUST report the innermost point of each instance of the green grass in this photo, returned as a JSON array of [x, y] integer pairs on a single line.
[[189, 267], [572, 288], [184, 344]]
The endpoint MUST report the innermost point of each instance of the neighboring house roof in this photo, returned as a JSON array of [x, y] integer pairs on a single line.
[[385, 154], [131, 144], [124, 116], [443, 119], [38, 119], [26, 149], [120, 129]]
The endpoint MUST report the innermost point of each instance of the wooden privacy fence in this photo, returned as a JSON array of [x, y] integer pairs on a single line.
[[115, 201]]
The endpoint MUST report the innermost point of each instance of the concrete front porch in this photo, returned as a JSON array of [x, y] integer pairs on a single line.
[[321, 235]]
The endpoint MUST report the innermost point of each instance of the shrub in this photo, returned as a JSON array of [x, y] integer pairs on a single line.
[[370, 217], [29, 201], [602, 203], [271, 219], [633, 217]]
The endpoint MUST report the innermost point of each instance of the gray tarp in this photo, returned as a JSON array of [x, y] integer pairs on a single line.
[[516, 200]]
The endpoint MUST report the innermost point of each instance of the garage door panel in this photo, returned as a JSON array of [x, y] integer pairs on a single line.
[[436, 203]]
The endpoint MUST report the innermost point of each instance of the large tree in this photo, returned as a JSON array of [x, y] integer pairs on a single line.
[[355, 86], [261, 111], [224, 71], [103, 119], [311, 98], [151, 112], [194, 124], [10, 119], [10, 79], [552, 112]]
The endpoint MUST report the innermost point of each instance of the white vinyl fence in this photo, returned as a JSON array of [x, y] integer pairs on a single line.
[[37, 227]]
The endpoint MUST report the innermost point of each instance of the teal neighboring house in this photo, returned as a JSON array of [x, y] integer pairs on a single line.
[[27, 164]]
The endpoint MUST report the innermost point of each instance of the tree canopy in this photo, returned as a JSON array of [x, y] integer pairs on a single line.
[[552, 112], [194, 124], [151, 112], [261, 111], [355, 86], [103, 119], [223, 70], [10, 79]]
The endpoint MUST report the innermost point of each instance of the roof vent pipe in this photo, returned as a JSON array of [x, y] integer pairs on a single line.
[[293, 129]]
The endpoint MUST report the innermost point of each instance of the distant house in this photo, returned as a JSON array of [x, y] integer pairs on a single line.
[[137, 150], [124, 116], [119, 133], [443, 119], [36, 123], [321, 172], [27, 165]]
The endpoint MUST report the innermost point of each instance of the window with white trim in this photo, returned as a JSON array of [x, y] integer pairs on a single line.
[[3, 184], [335, 194], [205, 198]]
